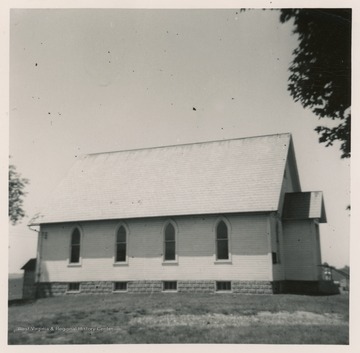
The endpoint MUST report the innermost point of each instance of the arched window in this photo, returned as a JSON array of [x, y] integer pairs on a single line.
[[222, 241], [75, 246], [169, 243], [121, 240]]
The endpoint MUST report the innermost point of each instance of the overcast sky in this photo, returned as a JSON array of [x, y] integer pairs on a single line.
[[84, 81]]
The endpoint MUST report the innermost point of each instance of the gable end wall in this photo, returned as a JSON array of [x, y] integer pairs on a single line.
[[302, 250]]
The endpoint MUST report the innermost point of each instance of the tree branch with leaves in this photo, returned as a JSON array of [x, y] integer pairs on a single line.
[[16, 194], [320, 73]]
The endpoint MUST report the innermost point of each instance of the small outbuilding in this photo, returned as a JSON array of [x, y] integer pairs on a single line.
[[29, 288]]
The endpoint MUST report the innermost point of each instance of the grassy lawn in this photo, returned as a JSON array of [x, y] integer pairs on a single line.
[[181, 318]]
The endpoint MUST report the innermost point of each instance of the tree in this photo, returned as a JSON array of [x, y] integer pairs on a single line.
[[320, 73], [16, 194]]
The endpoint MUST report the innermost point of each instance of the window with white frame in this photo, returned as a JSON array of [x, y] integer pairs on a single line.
[[73, 287], [170, 286], [75, 246], [223, 286], [222, 241], [169, 242], [121, 244], [120, 286]]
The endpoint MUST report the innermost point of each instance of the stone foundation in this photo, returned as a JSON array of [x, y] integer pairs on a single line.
[[107, 287], [252, 287], [196, 286], [50, 289], [144, 286]]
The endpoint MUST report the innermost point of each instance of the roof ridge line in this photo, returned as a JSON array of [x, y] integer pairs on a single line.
[[186, 144]]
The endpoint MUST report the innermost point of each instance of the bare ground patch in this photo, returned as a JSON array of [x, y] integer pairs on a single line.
[[221, 320]]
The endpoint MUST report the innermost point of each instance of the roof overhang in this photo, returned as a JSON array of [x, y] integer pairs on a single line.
[[304, 205], [30, 265]]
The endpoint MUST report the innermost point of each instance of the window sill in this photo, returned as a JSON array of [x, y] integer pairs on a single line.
[[170, 263], [170, 291], [223, 262], [72, 291], [120, 264], [74, 264]]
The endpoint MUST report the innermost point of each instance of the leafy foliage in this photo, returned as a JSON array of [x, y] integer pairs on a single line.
[[16, 194], [320, 74]]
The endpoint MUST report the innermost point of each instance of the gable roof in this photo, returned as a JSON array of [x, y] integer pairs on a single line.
[[304, 205], [30, 265], [238, 175]]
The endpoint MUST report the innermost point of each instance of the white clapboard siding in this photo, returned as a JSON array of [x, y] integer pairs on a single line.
[[290, 181], [277, 247], [317, 248], [290, 184], [301, 247], [249, 248]]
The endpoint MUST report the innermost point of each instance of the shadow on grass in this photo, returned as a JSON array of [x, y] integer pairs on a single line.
[[18, 302]]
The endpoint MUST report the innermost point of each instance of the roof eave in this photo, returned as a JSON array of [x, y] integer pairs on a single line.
[[43, 222]]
